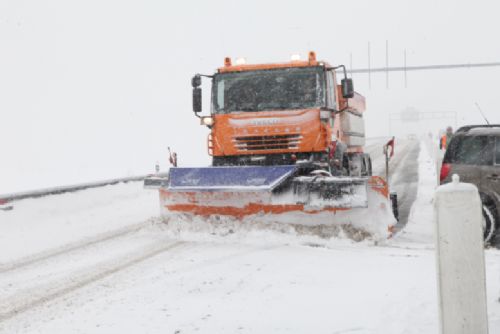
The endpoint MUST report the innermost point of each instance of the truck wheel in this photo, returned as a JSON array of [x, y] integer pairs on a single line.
[[369, 165], [394, 205], [489, 222]]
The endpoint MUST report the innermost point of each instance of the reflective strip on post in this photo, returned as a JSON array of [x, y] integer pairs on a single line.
[[460, 259]]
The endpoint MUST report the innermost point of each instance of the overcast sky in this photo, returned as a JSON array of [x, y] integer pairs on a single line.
[[97, 89]]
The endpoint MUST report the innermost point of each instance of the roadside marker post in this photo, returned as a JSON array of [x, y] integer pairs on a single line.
[[388, 153], [460, 259]]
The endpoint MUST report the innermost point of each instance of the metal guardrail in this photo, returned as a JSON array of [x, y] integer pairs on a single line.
[[69, 188]]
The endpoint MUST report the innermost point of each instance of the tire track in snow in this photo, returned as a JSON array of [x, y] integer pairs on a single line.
[[40, 294], [404, 181], [403, 173], [72, 247]]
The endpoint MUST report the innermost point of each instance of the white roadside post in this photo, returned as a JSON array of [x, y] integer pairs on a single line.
[[460, 259]]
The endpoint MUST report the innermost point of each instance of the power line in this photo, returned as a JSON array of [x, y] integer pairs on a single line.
[[424, 67]]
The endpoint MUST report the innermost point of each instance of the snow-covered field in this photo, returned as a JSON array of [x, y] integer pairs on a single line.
[[100, 261]]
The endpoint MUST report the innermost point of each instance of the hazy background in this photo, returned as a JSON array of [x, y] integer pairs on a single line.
[[92, 89]]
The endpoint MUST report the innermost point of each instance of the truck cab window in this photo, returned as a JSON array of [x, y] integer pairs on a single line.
[[263, 90], [330, 94], [220, 95]]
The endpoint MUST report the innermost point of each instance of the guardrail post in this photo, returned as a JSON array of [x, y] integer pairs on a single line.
[[460, 259]]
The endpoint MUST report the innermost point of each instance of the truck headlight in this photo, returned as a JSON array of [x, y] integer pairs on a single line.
[[207, 120]]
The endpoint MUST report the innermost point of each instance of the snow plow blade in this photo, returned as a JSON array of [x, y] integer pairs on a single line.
[[279, 194], [249, 178]]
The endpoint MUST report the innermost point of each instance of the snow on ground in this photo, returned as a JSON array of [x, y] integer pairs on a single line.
[[251, 288], [140, 275], [419, 231], [52, 222]]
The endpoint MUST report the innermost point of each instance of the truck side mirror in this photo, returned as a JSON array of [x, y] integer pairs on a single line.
[[196, 81], [347, 88], [196, 99]]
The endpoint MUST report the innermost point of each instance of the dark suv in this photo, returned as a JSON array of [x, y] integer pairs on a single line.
[[474, 154]]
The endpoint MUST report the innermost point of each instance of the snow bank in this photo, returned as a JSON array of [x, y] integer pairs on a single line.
[[420, 229], [231, 231]]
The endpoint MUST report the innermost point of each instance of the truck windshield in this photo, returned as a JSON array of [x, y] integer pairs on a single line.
[[277, 89]]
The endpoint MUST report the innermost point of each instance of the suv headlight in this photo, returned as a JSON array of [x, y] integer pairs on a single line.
[[207, 120]]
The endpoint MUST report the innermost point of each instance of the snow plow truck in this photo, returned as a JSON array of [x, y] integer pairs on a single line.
[[286, 143]]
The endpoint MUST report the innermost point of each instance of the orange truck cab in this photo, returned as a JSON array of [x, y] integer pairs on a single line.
[[283, 114]]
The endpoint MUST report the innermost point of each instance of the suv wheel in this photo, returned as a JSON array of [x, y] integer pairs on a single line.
[[489, 222]]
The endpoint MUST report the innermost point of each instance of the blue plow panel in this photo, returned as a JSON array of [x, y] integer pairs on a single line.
[[247, 178]]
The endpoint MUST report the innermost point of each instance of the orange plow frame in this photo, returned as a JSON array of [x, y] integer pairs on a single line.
[[266, 206]]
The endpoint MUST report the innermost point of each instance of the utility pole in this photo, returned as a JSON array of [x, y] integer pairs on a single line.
[[406, 80], [387, 63], [350, 63], [369, 73]]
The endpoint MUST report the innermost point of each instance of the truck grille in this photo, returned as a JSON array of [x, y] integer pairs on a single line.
[[259, 143]]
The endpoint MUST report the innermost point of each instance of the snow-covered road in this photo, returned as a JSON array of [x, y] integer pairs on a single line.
[[403, 171], [99, 261]]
